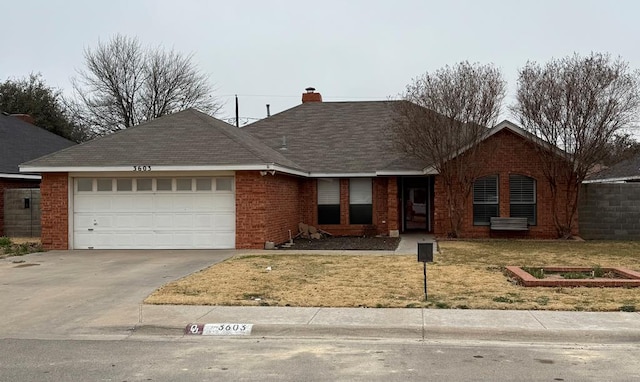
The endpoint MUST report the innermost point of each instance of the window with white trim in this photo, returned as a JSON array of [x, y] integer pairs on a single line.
[[485, 200], [360, 201], [328, 201], [84, 184], [522, 198]]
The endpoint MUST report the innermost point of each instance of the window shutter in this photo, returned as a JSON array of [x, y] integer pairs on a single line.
[[522, 189], [328, 191], [485, 190], [360, 191]]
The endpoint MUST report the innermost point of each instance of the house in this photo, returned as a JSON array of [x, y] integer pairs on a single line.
[[21, 141], [626, 171], [188, 180]]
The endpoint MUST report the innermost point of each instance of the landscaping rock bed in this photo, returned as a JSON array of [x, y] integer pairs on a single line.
[[347, 243]]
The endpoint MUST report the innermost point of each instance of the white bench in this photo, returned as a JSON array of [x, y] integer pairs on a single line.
[[509, 224]]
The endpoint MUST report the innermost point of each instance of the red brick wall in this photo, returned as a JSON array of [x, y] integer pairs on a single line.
[[55, 210], [283, 207], [393, 205], [267, 207], [251, 205], [5, 184], [503, 154]]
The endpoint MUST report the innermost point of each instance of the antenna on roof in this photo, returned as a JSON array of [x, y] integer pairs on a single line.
[[284, 143], [268, 111], [237, 113]]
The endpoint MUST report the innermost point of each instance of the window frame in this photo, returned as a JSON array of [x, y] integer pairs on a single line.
[[480, 202], [328, 208], [531, 220], [360, 204]]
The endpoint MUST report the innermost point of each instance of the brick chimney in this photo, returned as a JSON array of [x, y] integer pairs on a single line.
[[311, 95], [25, 117]]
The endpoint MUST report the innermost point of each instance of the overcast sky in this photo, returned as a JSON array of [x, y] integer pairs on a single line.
[[267, 52]]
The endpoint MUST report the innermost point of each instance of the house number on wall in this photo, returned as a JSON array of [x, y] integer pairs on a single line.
[[141, 168]]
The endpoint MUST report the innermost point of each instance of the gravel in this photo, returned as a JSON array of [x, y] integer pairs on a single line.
[[377, 243]]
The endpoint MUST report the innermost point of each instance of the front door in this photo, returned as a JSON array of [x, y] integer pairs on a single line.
[[417, 203]]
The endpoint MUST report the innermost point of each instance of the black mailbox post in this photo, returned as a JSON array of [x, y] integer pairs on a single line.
[[425, 255]]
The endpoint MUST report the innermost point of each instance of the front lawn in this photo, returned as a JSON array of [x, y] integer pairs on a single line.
[[465, 275]]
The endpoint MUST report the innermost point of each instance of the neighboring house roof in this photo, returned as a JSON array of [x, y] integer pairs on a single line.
[[625, 171], [336, 138], [21, 141], [185, 140]]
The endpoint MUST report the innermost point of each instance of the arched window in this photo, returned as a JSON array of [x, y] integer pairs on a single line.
[[522, 197], [485, 200]]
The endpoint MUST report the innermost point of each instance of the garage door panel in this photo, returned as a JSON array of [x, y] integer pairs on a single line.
[[203, 221], [224, 222], [121, 203], [225, 203], [154, 219], [182, 221]]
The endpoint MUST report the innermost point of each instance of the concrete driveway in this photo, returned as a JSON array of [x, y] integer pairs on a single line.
[[59, 294]]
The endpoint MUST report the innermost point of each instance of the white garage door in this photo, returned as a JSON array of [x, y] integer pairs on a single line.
[[154, 213]]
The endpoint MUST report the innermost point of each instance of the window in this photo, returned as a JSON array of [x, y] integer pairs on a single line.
[[485, 200], [328, 201], [105, 185], [124, 185], [85, 184], [163, 184], [522, 198], [144, 184], [203, 184], [183, 184], [224, 184], [360, 197]]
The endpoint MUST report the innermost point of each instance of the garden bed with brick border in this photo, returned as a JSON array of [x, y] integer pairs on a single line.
[[623, 277]]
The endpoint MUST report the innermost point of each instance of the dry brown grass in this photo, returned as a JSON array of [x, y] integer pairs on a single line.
[[466, 274]]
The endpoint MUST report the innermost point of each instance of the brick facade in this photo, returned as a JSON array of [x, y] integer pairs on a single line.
[[503, 154], [54, 207], [267, 207], [6, 183]]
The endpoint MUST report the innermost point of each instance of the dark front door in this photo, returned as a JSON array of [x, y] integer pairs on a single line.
[[417, 203]]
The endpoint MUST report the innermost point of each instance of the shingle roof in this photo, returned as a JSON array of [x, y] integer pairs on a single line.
[[21, 141], [626, 170], [186, 138], [335, 137]]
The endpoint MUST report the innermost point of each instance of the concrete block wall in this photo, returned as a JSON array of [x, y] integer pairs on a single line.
[[22, 212], [610, 211]]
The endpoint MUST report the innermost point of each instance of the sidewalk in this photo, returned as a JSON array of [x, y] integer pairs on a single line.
[[600, 327]]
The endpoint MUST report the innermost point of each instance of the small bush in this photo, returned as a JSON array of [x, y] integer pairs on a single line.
[[535, 272], [503, 299], [598, 271], [628, 308], [5, 241]]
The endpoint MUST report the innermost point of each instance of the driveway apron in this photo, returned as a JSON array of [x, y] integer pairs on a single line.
[[66, 293]]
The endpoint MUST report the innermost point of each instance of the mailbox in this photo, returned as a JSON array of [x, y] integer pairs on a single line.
[[425, 252]]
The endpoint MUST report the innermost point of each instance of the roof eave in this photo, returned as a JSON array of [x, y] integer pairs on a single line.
[[21, 176]]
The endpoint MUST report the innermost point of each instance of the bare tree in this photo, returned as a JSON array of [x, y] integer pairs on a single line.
[[577, 104], [125, 84], [445, 116]]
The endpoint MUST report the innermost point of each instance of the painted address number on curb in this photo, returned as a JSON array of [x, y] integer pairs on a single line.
[[224, 329]]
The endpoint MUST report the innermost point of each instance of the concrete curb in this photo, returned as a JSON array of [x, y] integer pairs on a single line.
[[416, 333]]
